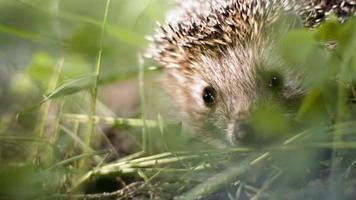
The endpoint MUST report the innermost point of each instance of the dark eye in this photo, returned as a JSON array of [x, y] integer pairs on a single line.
[[275, 81], [209, 96]]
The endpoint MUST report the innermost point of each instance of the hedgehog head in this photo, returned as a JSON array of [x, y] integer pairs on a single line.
[[220, 64]]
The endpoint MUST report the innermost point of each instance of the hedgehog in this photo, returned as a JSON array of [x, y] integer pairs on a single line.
[[219, 62]]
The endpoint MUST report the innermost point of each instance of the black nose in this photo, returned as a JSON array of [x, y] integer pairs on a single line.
[[243, 132]]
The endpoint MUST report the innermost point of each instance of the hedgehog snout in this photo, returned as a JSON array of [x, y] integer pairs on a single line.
[[240, 132]]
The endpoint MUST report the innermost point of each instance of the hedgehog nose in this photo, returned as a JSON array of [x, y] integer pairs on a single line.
[[242, 132]]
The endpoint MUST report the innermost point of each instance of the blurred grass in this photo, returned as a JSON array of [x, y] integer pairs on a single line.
[[55, 140], [53, 54]]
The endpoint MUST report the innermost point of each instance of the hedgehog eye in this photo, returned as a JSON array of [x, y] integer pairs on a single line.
[[275, 81], [209, 96]]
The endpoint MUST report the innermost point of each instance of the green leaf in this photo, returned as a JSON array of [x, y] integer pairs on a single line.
[[269, 121], [69, 87], [18, 33], [296, 46], [72, 86]]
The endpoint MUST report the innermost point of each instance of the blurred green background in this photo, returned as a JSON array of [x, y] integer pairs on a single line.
[[51, 47], [37, 35]]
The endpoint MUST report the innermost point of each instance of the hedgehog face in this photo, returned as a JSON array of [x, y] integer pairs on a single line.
[[216, 95]]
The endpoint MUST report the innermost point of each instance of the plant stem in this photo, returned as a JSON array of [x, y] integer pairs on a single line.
[[91, 126]]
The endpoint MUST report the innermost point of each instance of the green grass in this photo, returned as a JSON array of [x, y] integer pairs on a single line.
[[59, 57]]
